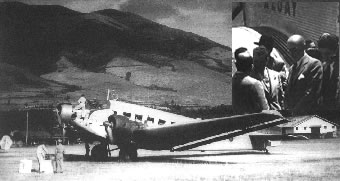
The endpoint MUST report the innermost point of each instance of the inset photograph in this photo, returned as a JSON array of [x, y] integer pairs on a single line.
[[285, 58], [295, 41]]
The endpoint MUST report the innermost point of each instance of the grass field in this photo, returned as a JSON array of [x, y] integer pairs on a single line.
[[293, 160]]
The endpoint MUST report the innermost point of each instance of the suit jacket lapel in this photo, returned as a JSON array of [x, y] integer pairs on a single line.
[[265, 87], [299, 69], [289, 79], [272, 82], [270, 79]]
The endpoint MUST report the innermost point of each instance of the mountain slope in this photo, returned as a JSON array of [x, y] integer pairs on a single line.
[[65, 53], [35, 37]]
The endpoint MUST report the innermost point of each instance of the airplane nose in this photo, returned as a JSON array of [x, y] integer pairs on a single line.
[[64, 112]]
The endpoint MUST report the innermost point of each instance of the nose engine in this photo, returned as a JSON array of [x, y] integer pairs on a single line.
[[65, 112]]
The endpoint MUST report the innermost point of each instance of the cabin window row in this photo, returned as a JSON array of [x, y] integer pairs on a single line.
[[140, 118]]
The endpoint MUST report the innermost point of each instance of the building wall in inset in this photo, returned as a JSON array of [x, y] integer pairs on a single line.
[[305, 127], [309, 19]]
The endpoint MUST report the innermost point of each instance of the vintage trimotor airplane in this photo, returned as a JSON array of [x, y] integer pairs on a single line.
[[132, 127]]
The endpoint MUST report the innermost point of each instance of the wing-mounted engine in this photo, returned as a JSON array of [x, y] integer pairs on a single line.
[[119, 129]]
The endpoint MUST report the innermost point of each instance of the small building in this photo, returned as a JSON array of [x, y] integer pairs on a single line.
[[310, 126]]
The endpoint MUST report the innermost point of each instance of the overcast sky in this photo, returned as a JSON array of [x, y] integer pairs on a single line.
[[208, 18]]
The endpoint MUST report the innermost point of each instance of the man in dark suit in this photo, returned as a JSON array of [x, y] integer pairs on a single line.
[[328, 46], [270, 79], [305, 77], [247, 93]]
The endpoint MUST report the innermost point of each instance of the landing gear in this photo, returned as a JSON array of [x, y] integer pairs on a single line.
[[108, 150], [265, 144], [128, 153], [99, 152], [87, 148]]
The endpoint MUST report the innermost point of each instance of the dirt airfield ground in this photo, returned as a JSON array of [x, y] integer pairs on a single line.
[[292, 160]]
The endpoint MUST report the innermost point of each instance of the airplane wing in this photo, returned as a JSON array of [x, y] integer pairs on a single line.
[[193, 134]]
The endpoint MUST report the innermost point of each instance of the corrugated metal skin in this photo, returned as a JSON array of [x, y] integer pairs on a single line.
[[280, 41], [311, 18], [316, 18]]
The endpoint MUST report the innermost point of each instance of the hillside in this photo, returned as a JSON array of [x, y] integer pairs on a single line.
[[20, 87], [91, 52]]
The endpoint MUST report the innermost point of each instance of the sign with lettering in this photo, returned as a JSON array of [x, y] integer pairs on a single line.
[[286, 8]]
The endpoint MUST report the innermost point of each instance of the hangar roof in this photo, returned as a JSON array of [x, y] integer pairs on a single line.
[[301, 119]]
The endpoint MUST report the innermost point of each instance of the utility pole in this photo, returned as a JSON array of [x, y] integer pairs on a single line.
[[26, 125], [338, 26], [63, 125]]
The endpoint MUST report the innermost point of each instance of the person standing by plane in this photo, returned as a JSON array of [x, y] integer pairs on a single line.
[[305, 77], [41, 154], [59, 157], [81, 105], [328, 46], [247, 93], [270, 79]]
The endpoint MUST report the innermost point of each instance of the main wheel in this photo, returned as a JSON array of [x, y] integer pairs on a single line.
[[128, 153], [123, 156], [99, 152], [132, 151]]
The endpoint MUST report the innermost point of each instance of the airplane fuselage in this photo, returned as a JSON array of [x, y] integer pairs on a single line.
[[150, 119]]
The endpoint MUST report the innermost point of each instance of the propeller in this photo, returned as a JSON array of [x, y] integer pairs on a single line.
[[107, 124], [60, 111]]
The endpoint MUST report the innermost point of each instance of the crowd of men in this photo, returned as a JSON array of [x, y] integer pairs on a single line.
[[263, 82]]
